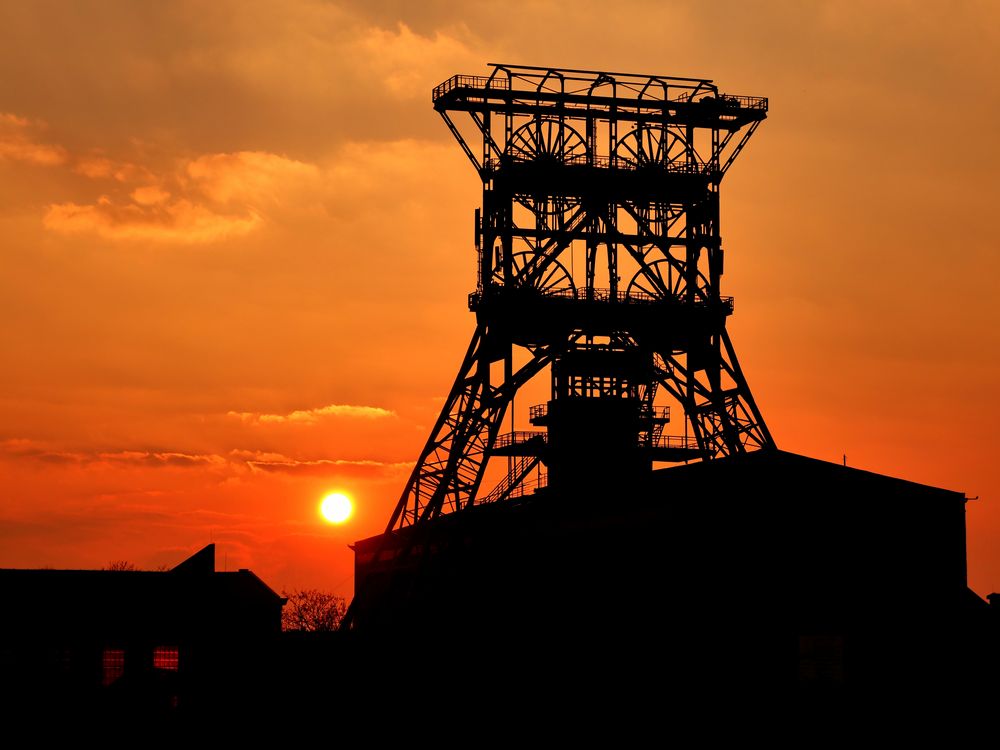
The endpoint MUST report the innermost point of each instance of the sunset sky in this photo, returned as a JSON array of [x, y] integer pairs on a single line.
[[237, 244]]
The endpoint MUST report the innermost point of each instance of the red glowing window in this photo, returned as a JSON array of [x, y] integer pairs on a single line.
[[166, 657], [112, 665]]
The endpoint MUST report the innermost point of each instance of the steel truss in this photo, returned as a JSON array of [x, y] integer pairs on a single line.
[[622, 172]]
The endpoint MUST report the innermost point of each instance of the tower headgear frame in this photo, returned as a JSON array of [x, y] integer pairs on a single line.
[[623, 172]]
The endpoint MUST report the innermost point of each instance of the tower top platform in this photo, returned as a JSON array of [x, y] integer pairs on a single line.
[[522, 89]]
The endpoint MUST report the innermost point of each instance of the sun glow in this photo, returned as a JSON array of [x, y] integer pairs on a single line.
[[336, 507]]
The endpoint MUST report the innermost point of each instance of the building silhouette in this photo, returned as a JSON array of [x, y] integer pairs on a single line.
[[145, 642], [767, 569], [585, 568]]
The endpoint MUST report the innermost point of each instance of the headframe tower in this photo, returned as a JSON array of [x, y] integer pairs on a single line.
[[600, 260]]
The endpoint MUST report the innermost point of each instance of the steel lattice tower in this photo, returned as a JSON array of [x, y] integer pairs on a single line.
[[600, 257]]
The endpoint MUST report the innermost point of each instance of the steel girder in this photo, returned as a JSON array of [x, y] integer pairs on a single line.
[[450, 468], [609, 165]]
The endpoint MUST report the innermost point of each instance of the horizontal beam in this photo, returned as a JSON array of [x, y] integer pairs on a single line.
[[649, 111], [559, 71], [604, 237]]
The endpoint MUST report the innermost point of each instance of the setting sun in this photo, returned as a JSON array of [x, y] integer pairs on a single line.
[[336, 507]]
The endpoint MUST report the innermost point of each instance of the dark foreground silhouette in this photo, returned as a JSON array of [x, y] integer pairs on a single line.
[[754, 578]]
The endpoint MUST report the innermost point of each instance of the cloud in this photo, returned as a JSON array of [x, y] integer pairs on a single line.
[[253, 177], [196, 200], [17, 143], [406, 61], [180, 221], [205, 199], [236, 462], [218, 196], [21, 449], [167, 458], [150, 195], [101, 167], [272, 463], [312, 416], [374, 166]]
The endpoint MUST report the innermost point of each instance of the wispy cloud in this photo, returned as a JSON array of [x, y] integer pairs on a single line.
[[203, 199], [194, 200], [23, 449], [312, 416], [165, 458], [323, 467], [19, 142], [234, 463], [250, 177], [405, 60], [98, 167], [179, 221]]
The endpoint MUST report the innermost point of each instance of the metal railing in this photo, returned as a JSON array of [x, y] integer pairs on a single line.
[[657, 413], [521, 437], [517, 473], [470, 82], [674, 441], [610, 162], [604, 296], [503, 83], [744, 102], [531, 483]]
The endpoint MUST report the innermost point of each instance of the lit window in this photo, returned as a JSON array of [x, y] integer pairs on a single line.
[[166, 657], [112, 665]]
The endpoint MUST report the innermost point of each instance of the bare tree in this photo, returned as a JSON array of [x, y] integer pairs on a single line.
[[120, 565], [312, 609]]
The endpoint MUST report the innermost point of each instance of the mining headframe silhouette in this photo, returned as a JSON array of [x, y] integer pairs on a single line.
[[600, 268], [600, 257]]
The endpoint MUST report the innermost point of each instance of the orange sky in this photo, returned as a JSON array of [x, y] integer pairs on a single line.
[[237, 244]]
